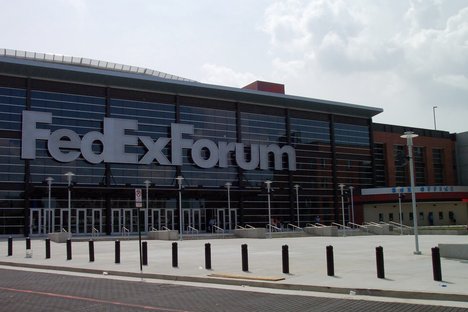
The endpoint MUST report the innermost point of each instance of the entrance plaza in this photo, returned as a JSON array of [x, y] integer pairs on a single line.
[[408, 277]]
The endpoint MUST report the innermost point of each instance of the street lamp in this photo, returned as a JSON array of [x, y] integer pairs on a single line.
[[69, 176], [147, 184], [296, 186], [434, 114], [181, 218], [399, 208], [268, 184], [342, 207], [228, 186], [409, 135], [351, 188], [49, 183]]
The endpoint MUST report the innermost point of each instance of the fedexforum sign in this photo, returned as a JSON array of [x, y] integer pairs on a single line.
[[65, 145]]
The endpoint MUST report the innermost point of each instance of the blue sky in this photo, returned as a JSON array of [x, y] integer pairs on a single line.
[[403, 56]]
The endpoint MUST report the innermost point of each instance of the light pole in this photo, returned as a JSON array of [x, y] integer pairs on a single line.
[[351, 188], [228, 186], [296, 186], [147, 184], [69, 176], [181, 217], [48, 216], [434, 114], [401, 216], [268, 184], [342, 207], [409, 135]]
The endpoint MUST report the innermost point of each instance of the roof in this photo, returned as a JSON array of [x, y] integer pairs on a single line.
[[86, 71]]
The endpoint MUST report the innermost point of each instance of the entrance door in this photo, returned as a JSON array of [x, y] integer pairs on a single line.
[[127, 221], [81, 221], [116, 221], [155, 219], [35, 222], [233, 219], [96, 221], [49, 221], [221, 218], [196, 219], [187, 219], [169, 218]]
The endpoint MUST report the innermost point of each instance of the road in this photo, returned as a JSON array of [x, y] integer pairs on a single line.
[[36, 291]]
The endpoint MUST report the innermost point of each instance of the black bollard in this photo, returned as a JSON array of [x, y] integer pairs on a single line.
[[69, 249], [47, 248], [10, 246], [208, 256], [436, 267], [245, 258], [330, 262], [144, 247], [380, 262], [28, 243], [91, 250], [175, 261], [285, 259], [117, 251]]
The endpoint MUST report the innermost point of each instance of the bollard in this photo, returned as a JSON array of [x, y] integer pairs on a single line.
[[380, 262], [175, 262], [245, 258], [436, 267], [330, 262], [10, 246], [28, 243], [117, 251], [208, 256], [47, 248], [91, 250], [69, 249], [145, 253], [285, 259]]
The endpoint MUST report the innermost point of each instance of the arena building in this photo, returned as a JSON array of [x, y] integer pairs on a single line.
[[78, 136]]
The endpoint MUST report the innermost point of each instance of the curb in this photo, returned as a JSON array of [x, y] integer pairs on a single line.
[[259, 284]]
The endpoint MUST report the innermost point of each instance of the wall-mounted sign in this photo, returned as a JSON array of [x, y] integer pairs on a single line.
[[66, 145]]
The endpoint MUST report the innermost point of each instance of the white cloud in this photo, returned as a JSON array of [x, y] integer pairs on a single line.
[[216, 74]]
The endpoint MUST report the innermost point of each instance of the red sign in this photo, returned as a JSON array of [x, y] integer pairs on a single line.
[[138, 198]]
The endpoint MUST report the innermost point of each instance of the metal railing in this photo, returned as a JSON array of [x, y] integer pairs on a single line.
[[94, 232], [400, 225], [191, 230], [240, 227], [339, 225], [153, 229], [165, 228], [295, 227], [125, 232], [217, 229], [247, 226], [273, 228]]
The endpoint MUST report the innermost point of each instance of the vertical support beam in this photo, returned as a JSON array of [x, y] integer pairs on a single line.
[[108, 175], [292, 195], [240, 171], [336, 202]]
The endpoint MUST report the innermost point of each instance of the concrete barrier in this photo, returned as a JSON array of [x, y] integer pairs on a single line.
[[443, 230], [58, 237], [322, 230], [381, 229], [250, 233], [163, 235], [455, 251]]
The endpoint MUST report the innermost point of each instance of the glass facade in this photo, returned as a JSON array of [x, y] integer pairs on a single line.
[[328, 151]]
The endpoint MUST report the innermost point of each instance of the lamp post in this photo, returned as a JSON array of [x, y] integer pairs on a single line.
[[268, 184], [47, 216], [351, 188], [434, 114], [342, 207], [181, 217], [296, 186], [69, 176], [399, 208], [228, 187], [147, 184], [409, 135]]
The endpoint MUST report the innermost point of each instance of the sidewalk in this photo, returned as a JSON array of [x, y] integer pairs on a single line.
[[406, 275]]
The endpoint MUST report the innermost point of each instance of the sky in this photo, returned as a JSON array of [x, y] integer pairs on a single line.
[[405, 56]]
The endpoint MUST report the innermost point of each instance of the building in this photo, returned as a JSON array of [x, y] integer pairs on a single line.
[[440, 198], [79, 136]]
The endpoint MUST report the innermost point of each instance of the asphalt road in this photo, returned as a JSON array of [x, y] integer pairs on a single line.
[[34, 291]]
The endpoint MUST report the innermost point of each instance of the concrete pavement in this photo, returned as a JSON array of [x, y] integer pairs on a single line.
[[406, 275]]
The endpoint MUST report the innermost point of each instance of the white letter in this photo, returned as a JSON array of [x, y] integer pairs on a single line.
[[30, 133], [115, 140], [55, 143], [178, 143], [198, 146], [240, 156]]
